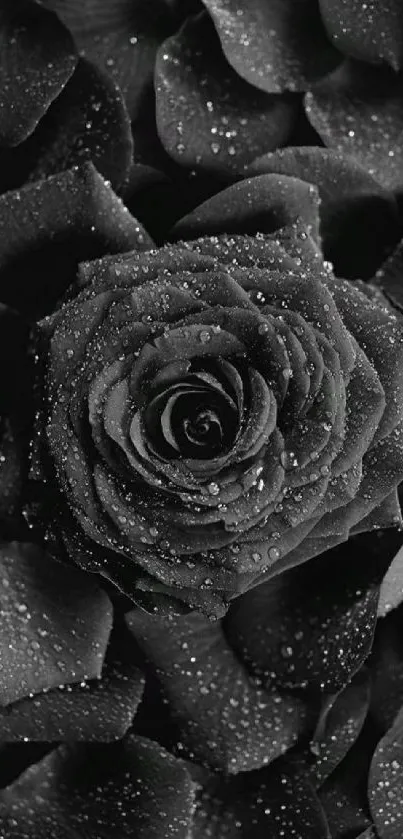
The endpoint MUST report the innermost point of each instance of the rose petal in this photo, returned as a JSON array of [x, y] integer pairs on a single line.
[[112, 792], [296, 628], [88, 121], [387, 671], [37, 59], [344, 794], [389, 277], [225, 721], [338, 727], [275, 46], [391, 593], [99, 711], [358, 111], [120, 38], [270, 802], [55, 623], [358, 219], [207, 116], [260, 204], [51, 226], [380, 334], [372, 32], [385, 782]]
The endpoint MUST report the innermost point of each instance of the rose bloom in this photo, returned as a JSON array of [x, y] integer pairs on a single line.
[[220, 409]]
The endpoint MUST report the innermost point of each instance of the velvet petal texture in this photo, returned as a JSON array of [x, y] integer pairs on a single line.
[[207, 115], [51, 225], [134, 786], [39, 613]]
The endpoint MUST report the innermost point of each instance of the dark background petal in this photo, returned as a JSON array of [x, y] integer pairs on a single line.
[[385, 783], [207, 116], [132, 788], [387, 670], [260, 204], [121, 37], [276, 46], [224, 720], [55, 623], [88, 121], [370, 31], [312, 626], [54, 224], [358, 218], [358, 111], [268, 803], [37, 57], [99, 710]]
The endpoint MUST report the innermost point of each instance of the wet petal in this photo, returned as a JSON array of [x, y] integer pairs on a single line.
[[358, 111], [111, 792], [88, 121], [55, 623], [79, 212], [207, 115], [120, 38], [225, 720], [270, 802], [37, 59], [370, 32], [261, 204], [275, 46], [94, 711], [387, 671], [391, 593], [385, 782], [297, 628], [358, 218], [340, 723]]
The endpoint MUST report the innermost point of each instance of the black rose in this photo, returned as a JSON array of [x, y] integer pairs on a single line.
[[219, 410]]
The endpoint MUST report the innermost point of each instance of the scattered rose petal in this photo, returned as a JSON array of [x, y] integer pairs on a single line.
[[358, 218], [224, 719], [37, 57], [132, 788], [207, 116], [311, 626], [119, 36], [54, 224], [55, 623], [391, 591], [338, 727], [88, 121], [387, 670], [261, 204], [275, 46], [370, 31], [271, 802], [386, 784], [358, 111], [97, 711]]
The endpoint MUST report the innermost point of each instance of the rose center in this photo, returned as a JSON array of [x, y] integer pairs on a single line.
[[195, 417]]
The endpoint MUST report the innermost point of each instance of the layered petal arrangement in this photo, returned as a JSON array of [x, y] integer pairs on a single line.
[[219, 410]]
